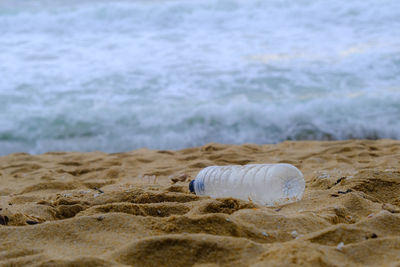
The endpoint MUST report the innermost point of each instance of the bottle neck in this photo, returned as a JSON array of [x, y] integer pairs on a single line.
[[198, 186]]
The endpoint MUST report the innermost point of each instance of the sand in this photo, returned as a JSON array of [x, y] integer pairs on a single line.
[[98, 209]]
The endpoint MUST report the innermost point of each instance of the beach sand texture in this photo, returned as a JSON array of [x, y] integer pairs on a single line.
[[98, 209]]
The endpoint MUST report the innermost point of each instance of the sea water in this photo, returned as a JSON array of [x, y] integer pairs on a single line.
[[118, 75]]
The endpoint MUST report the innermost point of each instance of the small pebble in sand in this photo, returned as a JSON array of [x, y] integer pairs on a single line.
[[294, 234], [265, 234], [179, 178], [340, 246], [340, 180], [323, 175], [98, 190]]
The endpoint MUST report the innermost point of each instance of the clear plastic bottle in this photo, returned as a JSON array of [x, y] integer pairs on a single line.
[[264, 184]]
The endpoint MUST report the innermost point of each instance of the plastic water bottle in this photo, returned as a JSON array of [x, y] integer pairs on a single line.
[[265, 184]]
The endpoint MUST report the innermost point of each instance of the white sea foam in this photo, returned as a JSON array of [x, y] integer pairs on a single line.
[[118, 75]]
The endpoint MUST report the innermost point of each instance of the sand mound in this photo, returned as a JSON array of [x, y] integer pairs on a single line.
[[97, 209]]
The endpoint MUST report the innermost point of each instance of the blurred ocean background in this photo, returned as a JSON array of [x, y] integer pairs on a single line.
[[123, 74]]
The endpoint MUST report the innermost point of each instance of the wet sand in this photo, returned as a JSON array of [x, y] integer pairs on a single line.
[[98, 209]]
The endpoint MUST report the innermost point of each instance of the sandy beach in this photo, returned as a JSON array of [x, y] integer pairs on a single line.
[[135, 209]]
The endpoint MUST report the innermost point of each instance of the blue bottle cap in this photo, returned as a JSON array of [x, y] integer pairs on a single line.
[[191, 186]]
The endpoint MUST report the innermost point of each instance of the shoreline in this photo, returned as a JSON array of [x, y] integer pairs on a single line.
[[123, 208]]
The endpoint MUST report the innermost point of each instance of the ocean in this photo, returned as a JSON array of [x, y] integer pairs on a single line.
[[118, 75]]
